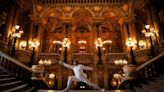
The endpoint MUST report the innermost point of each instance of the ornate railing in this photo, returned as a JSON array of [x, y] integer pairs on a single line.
[[111, 57], [49, 56], [142, 56], [79, 2], [151, 68], [147, 71], [18, 69], [3, 46], [83, 58], [161, 45], [24, 56]]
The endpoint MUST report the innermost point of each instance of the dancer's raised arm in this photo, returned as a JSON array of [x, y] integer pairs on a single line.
[[66, 65], [87, 68]]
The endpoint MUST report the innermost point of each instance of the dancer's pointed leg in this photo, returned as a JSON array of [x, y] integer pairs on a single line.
[[69, 83], [85, 80]]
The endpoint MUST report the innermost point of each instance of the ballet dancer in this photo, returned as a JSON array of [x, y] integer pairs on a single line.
[[79, 75]]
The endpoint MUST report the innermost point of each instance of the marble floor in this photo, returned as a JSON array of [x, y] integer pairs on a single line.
[[85, 91]]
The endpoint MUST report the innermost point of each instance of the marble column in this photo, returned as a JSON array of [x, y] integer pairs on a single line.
[[16, 16], [125, 32], [133, 33], [16, 22], [39, 36], [153, 21], [30, 36], [8, 24], [105, 78], [95, 75], [59, 78], [156, 23], [124, 37], [95, 50], [97, 26]]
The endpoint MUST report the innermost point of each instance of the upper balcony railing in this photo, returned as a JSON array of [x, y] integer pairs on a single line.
[[80, 2]]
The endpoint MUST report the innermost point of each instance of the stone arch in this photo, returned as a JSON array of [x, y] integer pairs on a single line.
[[110, 16], [82, 18], [116, 10], [82, 15], [53, 13], [52, 18], [82, 11], [78, 9], [82, 22], [89, 9]]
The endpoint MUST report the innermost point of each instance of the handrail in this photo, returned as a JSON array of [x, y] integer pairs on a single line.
[[150, 61], [147, 64], [15, 61]]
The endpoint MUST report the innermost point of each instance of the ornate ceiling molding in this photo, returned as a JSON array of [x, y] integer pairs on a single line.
[[80, 2]]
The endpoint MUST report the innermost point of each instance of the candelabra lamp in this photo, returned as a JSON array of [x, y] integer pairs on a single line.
[[15, 33], [131, 44], [99, 44], [66, 44], [34, 44], [149, 32]]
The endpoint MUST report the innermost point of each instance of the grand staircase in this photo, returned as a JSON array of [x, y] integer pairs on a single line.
[[15, 77], [9, 83]]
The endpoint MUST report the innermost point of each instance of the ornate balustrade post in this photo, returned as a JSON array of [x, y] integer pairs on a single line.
[[161, 46]]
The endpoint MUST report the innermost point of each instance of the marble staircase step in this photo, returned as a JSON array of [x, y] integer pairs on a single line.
[[30, 89], [155, 83], [7, 80], [16, 88], [10, 83], [140, 89], [5, 76]]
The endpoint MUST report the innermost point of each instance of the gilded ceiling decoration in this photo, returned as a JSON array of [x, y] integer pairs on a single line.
[[52, 23], [81, 17]]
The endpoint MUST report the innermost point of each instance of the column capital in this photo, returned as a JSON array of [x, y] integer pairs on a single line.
[[37, 20], [67, 22], [127, 19]]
